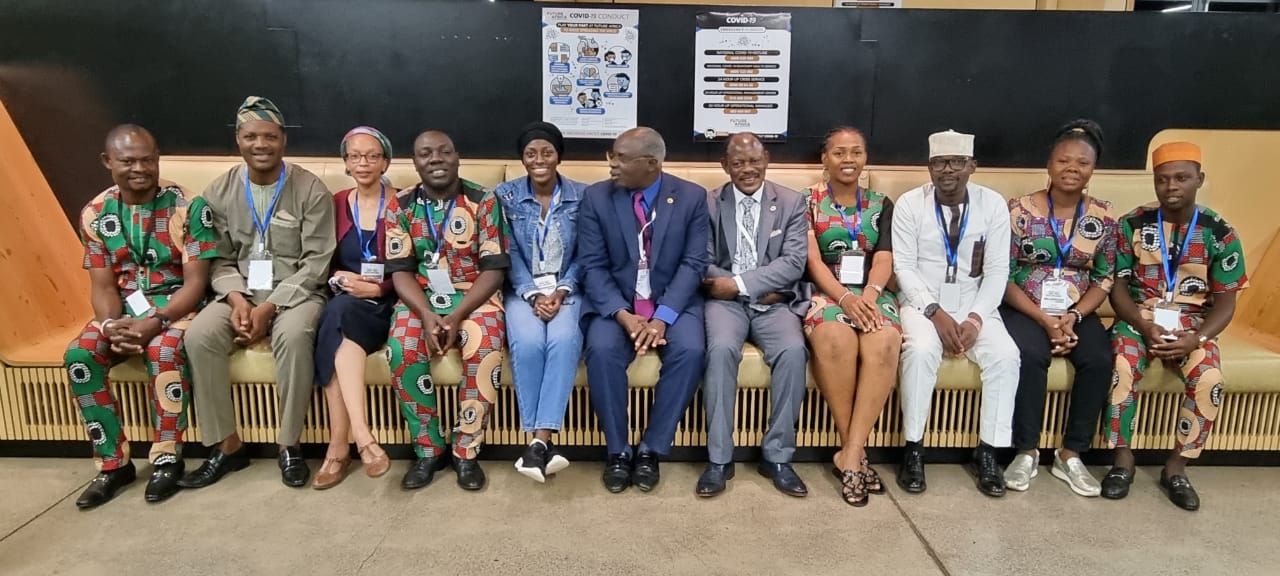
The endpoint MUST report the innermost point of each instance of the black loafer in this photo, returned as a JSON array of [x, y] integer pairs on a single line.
[[218, 465], [104, 486], [164, 482], [470, 474], [423, 471], [646, 474], [293, 469], [986, 472], [617, 473], [1180, 491], [1115, 485], [784, 478], [911, 471], [714, 479]]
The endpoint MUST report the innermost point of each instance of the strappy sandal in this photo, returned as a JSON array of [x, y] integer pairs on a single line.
[[853, 488], [874, 485], [325, 479], [374, 466]]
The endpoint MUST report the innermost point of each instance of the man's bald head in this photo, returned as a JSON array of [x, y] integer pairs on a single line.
[[131, 156], [745, 161], [635, 161]]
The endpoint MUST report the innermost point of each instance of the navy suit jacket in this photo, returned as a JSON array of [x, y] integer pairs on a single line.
[[608, 247]]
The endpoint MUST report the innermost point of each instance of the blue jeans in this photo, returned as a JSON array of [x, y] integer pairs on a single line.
[[544, 360]]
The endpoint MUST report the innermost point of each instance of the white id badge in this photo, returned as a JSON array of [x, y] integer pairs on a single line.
[[949, 297], [642, 281], [372, 271], [439, 281], [260, 274], [138, 305], [852, 267], [1168, 316], [1055, 296], [545, 283]]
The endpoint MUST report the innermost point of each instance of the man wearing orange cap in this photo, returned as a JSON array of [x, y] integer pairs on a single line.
[[1178, 269]]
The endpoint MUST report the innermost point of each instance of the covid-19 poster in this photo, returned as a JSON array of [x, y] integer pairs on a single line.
[[589, 70], [742, 74]]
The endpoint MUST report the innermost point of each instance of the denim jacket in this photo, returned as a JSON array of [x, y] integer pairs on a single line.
[[522, 211]]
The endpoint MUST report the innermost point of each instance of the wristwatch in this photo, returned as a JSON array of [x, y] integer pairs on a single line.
[[879, 289], [1203, 338], [931, 309], [162, 317]]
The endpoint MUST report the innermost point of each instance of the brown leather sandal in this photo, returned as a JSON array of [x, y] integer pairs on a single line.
[[374, 465], [327, 477]]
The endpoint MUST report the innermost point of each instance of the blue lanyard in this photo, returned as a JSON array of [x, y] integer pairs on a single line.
[[856, 227], [541, 232], [1063, 249], [260, 226], [953, 252], [437, 232], [1171, 277], [365, 251]]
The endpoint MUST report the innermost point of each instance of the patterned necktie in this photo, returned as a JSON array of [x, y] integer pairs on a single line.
[[746, 243], [643, 306], [953, 231]]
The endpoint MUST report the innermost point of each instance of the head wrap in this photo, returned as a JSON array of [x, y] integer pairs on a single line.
[[540, 131], [258, 108], [368, 131], [950, 143], [1174, 151]]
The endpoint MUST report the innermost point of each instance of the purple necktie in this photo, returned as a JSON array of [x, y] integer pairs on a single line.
[[643, 306]]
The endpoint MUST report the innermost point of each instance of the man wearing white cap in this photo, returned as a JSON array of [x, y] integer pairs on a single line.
[[950, 255]]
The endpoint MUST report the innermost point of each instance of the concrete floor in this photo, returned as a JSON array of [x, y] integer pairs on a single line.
[[251, 524]]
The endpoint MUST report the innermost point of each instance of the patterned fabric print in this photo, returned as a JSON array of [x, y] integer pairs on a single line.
[[1201, 372], [108, 226], [1214, 261], [474, 241], [481, 342], [89, 358], [1033, 255], [833, 239]]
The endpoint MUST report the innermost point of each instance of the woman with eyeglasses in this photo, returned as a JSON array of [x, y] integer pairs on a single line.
[[1062, 261], [357, 319], [852, 324]]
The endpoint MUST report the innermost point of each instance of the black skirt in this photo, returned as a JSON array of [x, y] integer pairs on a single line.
[[365, 322]]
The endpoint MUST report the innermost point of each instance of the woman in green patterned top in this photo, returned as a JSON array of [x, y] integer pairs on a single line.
[[853, 313]]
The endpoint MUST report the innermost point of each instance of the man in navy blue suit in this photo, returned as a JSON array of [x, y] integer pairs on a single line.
[[643, 251]]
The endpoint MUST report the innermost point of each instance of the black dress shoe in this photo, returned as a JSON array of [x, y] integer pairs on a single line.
[[911, 471], [1115, 485], [713, 479], [617, 472], [103, 487], [646, 474], [293, 469], [218, 465], [784, 478], [1180, 491], [164, 482], [424, 471], [470, 474], [986, 472]]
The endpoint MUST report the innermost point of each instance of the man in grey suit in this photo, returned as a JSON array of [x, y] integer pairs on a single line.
[[758, 243]]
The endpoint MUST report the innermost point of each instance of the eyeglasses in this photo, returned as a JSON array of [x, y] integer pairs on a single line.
[[610, 155], [370, 158], [941, 164]]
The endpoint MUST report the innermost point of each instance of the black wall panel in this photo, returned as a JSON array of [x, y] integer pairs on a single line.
[[70, 69]]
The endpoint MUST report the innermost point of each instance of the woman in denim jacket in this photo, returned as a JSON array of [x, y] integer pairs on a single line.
[[541, 297]]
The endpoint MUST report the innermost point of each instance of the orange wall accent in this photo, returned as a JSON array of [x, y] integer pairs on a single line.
[[44, 289]]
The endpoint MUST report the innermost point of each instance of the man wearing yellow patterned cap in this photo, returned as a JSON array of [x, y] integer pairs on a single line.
[[275, 239], [1178, 268]]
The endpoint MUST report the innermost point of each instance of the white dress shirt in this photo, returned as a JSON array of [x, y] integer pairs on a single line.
[[746, 258], [919, 257]]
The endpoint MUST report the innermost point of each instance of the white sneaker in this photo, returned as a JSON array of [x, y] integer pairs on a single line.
[[1021, 471], [1075, 475]]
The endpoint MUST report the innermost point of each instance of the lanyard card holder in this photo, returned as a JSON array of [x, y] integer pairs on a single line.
[[853, 267], [372, 272], [1167, 315], [1055, 295], [546, 284], [261, 273]]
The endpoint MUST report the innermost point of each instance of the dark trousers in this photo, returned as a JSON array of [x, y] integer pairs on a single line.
[[1093, 361]]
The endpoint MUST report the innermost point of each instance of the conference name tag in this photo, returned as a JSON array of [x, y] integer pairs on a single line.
[[260, 275], [372, 271], [438, 281], [852, 267], [1167, 315], [545, 283], [949, 297], [1055, 296], [137, 302], [642, 281]]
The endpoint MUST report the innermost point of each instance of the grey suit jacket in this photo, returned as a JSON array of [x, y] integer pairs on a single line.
[[782, 242]]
